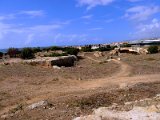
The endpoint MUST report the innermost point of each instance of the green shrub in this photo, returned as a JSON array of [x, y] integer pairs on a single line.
[[153, 49], [125, 45], [56, 55], [27, 53], [53, 48], [107, 48], [46, 49], [13, 52], [87, 48], [71, 51], [1, 54], [36, 49]]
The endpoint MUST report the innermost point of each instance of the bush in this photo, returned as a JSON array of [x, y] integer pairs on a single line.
[[56, 55], [13, 52], [46, 49], [1, 54], [107, 48], [55, 48], [87, 48], [153, 49], [27, 53], [125, 45], [71, 51], [36, 49]]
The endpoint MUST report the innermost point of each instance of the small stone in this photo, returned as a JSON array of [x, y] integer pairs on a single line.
[[79, 79], [38, 104], [11, 115], [123, 85], [56, 67], [128, 103], [4, 116], [158, 95], [153, 108]]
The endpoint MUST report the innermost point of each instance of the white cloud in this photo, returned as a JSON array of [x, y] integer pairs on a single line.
[[135, 0], [141, 13], [36, 13], [109, 20], [33, 13], [87, 17], [92, 3], [7, 17], [26, 35], [151, 29], [3, 29], [30, 38], [44, 28], [97, 28]]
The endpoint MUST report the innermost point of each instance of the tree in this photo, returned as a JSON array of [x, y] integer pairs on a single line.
[[36, 49], [71, 51], [107, 48], [87, 48], [54, 48], [27, 53], [1, 54], [13, 52], [153, 49], [126, 45]]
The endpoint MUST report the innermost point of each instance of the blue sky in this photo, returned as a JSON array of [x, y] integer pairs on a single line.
[[75, 22]]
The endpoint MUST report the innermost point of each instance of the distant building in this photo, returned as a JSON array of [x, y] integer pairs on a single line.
[[94, 47]]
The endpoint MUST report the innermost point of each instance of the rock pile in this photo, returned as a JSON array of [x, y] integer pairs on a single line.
[[147, 109]]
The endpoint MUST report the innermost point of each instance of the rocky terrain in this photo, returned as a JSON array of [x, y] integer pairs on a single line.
[[104, 89]]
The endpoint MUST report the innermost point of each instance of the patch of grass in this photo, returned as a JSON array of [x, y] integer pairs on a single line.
[[4, 95], [83, 103], [56, 55], [17, 108], [1, 107], [150, 59], [55, 79], [120, 96], [153, 49]]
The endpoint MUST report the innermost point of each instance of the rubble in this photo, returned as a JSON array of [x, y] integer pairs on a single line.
[[147, 109]]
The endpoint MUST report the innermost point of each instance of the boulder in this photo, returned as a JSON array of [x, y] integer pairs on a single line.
[[98, 54]]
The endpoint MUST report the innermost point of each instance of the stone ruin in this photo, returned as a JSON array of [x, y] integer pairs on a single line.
[[66, 61], [130, 50]]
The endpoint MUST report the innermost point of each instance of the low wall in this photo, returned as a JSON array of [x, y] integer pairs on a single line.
[[66, 61]]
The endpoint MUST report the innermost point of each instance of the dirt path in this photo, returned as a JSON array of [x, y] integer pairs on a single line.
[[125, 69], [120, 78]]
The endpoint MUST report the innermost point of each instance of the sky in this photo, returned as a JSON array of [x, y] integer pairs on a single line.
[[32, 23]]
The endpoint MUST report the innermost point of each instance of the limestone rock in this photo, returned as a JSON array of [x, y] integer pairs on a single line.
[[38, 104]]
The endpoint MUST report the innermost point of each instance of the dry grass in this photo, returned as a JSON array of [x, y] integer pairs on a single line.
[[143, 64], [72, 90]]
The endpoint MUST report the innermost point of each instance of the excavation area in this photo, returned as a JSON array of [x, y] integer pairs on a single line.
[[95, 88]]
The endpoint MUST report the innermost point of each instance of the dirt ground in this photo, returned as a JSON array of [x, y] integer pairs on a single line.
[[77, 90]]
